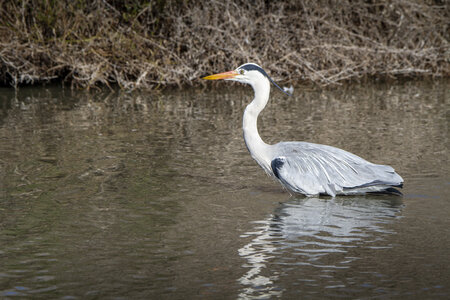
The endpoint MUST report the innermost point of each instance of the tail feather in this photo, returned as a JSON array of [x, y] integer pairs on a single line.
[[389, 191], [373, 189]]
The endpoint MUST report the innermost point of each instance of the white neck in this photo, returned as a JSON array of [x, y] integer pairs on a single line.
[[258, 149]]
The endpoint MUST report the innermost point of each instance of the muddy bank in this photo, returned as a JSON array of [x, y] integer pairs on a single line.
[[141, 44]]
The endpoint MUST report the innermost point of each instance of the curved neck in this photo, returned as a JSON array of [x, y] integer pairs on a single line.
[[256, 146]]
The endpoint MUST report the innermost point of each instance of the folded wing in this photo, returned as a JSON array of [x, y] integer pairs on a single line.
[[318, 169]]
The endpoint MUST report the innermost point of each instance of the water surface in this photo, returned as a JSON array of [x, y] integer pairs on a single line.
[[138, 196]]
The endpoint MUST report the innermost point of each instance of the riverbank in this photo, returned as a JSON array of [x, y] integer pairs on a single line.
[[147, 45]]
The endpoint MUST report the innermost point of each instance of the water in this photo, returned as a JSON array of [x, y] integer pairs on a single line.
[[154, 196]]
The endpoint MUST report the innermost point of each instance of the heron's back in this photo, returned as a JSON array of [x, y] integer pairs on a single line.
[[312, 169]]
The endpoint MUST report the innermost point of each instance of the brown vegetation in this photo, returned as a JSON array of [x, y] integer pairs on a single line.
[[136, 43]]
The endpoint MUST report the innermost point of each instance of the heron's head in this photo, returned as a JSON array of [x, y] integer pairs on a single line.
[[248, 73]]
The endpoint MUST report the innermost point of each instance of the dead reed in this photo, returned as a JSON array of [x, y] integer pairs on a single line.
[[141, 44]]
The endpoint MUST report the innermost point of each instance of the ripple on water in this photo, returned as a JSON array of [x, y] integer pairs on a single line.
[[314, 234]]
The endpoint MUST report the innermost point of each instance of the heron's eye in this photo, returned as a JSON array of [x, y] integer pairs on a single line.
[[241, 71]]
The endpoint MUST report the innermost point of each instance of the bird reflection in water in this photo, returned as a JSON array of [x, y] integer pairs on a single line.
[[315, 234]]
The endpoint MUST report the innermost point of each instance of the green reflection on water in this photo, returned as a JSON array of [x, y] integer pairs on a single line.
[[153, 195]]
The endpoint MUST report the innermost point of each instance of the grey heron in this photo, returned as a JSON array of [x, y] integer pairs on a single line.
[[302, 167]]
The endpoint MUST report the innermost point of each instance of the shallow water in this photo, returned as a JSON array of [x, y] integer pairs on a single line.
[[138, 196]]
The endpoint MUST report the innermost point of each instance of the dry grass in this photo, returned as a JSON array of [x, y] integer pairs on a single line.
[[141, 45]]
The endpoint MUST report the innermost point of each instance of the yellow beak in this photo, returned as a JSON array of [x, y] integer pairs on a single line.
[[224, 75]]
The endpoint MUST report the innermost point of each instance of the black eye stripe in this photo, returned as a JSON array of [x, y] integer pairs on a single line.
[[251, 67]]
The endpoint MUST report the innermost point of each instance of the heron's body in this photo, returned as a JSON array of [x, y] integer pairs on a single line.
[[302, 167]]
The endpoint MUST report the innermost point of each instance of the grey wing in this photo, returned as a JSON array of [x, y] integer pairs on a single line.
[[318, 169]]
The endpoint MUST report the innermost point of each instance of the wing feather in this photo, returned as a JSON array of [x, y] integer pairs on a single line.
[[315, 169]]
